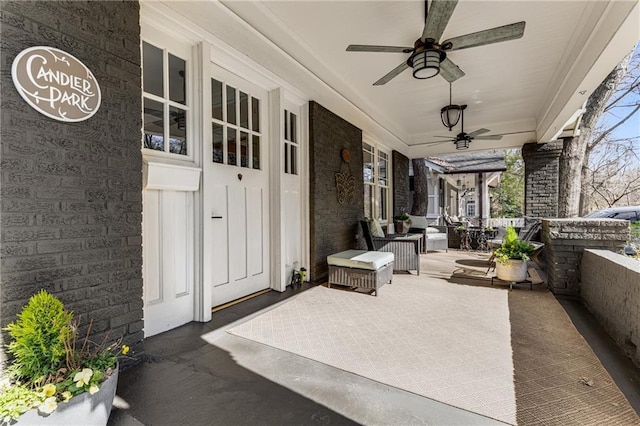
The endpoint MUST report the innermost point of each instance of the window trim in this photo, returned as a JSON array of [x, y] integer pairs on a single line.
[[375, 150]]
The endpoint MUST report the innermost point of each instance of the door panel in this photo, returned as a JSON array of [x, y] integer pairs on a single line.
[[168, 254], [236, 190]]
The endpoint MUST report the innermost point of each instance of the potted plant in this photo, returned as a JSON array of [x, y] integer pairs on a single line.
[[402, 223], [512, 256], [54, 376]]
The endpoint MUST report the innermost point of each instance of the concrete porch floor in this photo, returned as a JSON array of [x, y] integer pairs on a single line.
[[185, 380]]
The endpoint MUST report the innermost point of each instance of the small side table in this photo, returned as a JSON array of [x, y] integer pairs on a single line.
[[511, 283]]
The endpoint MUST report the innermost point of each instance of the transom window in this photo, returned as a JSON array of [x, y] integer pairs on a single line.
[[376, 182], [290, 143], [235, 124], [166, 105]]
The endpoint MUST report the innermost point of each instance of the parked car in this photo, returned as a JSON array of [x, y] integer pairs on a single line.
[[630, 213]]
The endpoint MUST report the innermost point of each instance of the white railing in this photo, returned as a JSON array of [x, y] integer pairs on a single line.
[[503, 222]]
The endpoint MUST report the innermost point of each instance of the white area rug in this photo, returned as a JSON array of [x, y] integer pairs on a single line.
[[443, 341]]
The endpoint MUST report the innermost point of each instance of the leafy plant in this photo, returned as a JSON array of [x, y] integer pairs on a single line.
[[49, 362], [513, 248], [402, 217], [38, 337]]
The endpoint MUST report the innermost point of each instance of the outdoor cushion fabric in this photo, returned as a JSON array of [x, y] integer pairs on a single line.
[[418, 221], [362, 259], [431, 230], [376, 228]]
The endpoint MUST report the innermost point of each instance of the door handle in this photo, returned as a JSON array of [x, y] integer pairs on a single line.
[[216, 217]]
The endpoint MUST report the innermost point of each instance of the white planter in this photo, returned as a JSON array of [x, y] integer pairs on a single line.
[[84, 409], [514, 271]]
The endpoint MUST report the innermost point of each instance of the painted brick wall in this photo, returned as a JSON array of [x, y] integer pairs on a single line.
[[541, 173], [400, 166], [71, 192], [333, 226], [565, 241], [610, 288]]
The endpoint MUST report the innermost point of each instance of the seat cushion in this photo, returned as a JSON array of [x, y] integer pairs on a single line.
[[431, 230], [434, 237], [362, 259]]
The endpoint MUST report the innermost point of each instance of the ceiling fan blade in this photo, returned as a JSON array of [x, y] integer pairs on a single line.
[[391, 74], [437, 19], [494, 35], [450, 71], [374, 48], [434, 142], [478, 132], [488, 138]]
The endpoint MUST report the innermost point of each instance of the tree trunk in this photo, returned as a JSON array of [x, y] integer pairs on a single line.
[[585, 196], [420, 187], [574, 149]]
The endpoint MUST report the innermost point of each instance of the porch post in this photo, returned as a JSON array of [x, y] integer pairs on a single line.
[[541, 172]]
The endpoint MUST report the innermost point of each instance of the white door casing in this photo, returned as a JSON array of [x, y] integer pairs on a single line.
[[236, 199]]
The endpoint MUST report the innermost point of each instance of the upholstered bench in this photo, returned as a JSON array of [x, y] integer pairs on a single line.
[[361, 269]]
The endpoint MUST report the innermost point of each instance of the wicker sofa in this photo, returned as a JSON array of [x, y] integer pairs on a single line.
[[435, 237]]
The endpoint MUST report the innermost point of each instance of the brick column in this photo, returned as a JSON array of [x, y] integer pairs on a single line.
[[541, 173], [565, 241], [71, 196], [333, 226], [400, 183]]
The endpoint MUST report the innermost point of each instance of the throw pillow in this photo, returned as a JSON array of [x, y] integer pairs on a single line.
[[418, 221], [431, 230], [376, 228]]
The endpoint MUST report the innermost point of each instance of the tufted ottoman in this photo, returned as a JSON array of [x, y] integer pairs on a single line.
[[361, 269]]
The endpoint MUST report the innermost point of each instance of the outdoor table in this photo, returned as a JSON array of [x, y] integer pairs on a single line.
[[406, 249]]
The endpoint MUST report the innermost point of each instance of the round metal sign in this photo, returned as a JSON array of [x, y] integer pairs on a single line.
[[56, 84]]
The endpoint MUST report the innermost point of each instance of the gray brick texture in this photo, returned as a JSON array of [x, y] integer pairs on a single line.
[[334, 226], [541, 175], [70, 192], [400, 166], [565, 241]]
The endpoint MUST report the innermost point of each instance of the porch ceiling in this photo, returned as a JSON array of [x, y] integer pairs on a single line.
[[533, 85]]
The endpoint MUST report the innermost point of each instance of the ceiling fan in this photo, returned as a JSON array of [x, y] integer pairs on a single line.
[[462, 139], [428, 55]]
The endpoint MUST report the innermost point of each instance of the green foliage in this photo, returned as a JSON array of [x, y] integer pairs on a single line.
[[513, 248], [508, 197], [38, 337], [15, 400], [50, 364]]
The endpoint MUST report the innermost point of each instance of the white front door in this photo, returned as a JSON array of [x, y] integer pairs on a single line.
[[236, 190]]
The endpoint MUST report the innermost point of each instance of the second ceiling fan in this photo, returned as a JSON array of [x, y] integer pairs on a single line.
[[428, 56]]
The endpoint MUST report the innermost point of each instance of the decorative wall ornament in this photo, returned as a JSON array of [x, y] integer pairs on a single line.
[[346, 185], [56, 84]]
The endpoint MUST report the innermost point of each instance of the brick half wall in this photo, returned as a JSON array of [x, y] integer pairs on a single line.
[[565, 241], [71, 197], [333, 226]]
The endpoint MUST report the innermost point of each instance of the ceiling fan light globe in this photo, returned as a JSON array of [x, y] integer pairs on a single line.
[[450, 115], [462, 144], [425, 64]]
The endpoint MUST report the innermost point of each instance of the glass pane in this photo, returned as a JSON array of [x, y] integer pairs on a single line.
[[244, 110], [286, 157], [382, 204], [216, 99], [218, 144], [177, 79], [152, 69], [255, 115], [382, 172], [256, 152], [367, 147], [367, 160], [177, 131], [153, 125], [368, 201], [286, 125], [294, 160], [231, 147], [244, 149], [231, 105], [292, 132]]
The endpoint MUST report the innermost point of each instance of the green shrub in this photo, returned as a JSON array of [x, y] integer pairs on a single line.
[[513, 248], [38, 337]]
